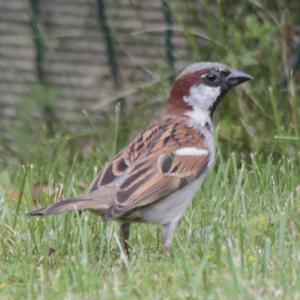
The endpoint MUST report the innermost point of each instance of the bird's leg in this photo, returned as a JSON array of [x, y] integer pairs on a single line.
[[167, 234], [124, 236]]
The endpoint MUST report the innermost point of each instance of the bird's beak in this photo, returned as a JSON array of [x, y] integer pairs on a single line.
[[237, 77]]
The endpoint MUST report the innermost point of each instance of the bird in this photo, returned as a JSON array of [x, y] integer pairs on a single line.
[[157, 175]]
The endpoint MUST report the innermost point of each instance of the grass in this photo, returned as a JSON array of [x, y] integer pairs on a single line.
[[239, 240], [241, 237]]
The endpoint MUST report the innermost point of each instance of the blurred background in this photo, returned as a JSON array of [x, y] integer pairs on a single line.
[[81, 75]]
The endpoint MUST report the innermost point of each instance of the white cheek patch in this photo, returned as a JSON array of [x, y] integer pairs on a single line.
[[202, 96], [191, 151]]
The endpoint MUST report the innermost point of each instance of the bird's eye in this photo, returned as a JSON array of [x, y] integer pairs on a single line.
[[212, 77], [225, 73]]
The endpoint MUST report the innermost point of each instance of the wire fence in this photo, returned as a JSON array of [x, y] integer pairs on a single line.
[[62, 57], [88, 51]]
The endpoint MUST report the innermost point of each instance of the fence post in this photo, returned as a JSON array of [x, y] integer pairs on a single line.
[[39, 41], [122, 132], [168, 38]]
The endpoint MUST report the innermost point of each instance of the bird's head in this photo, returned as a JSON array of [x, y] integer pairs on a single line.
[[201, 86]]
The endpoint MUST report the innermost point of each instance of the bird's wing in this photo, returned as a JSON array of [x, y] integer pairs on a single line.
[[139, 148], [163, 158]]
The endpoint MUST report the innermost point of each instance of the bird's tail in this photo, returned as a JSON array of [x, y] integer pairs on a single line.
[[73, 204]]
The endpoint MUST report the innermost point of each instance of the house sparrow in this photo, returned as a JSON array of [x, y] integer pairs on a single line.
[[157, 175]]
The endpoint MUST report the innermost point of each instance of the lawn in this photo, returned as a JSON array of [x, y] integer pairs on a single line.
[[239, 240]]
